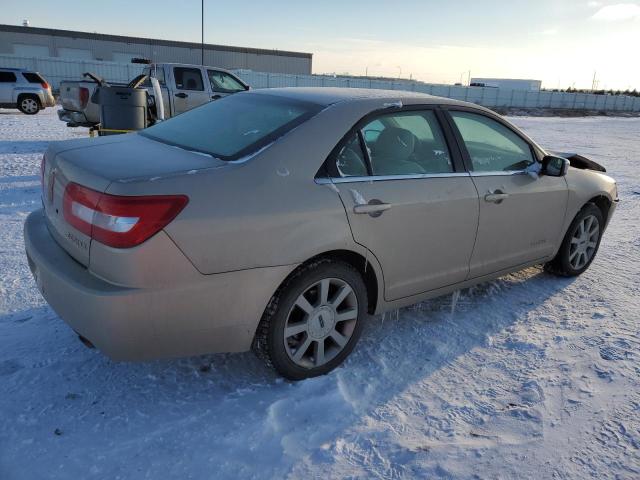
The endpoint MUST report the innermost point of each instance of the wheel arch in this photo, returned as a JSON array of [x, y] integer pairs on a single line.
[[25, 95], [364, 267], [370, 272], [29, 94], [603, 202]]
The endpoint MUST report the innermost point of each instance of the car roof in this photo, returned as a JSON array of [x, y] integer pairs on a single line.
[[331, 95], [187, 65]]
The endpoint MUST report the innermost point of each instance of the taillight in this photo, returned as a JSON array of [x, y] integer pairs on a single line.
[[84, 96], [44, 85], [119, 221]]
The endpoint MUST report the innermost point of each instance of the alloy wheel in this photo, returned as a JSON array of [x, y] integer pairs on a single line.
[[584, 242], [320, 322], [29, 105]]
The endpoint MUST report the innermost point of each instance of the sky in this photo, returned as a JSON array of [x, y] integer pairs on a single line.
[[561, 42]]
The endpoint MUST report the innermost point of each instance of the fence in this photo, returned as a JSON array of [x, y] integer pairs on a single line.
[[58, 69], [486, 96]]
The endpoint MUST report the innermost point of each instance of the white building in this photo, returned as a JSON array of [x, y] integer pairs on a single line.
[[508, 83]]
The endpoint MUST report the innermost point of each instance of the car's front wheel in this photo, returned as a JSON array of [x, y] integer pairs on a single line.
[[580, 244], [313, 321], [29, 105]]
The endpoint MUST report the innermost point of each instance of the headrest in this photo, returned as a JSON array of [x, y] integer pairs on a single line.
[[395, 142]]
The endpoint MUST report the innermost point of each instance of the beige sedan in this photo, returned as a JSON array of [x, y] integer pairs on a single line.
[[279, 219]]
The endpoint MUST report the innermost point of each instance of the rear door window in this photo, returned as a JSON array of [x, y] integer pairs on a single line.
[[188, 78], [492, 147], [7, 77], [407, 143]]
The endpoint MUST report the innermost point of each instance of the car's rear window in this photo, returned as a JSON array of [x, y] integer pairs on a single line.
[[233, 126], [32, 77]]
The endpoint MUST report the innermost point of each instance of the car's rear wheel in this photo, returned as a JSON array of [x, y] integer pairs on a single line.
[[313, 321], [28, 104], [580, 244]]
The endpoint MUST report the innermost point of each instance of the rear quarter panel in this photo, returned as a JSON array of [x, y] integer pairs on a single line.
[[265, 211]]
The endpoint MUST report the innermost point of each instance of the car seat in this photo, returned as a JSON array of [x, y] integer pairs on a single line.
[[392, 153]]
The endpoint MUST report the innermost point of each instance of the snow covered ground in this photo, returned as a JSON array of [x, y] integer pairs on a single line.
[[529, 376]]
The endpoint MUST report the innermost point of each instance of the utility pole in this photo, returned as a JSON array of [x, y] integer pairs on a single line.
[[593, 84], [202, 31]]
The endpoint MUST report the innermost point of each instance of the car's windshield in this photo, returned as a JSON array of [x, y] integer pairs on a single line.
[[234, 126]]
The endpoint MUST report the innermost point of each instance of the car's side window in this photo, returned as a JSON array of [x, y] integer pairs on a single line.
[[407, 143], [351, 161], [492, 146], [223, 82], [373, 130], [7, 77], [188, 78], [157, 72]]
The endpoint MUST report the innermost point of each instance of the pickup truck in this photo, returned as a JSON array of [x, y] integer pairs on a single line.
[[183, 87]]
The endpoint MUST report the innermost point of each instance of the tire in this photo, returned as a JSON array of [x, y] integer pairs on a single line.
[[325, 339], [569, 261], [29, 104]]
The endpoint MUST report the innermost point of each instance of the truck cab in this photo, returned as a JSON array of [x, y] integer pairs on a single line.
[[189, 86]]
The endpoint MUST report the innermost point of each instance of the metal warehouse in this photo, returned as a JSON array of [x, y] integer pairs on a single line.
[[82, 46]]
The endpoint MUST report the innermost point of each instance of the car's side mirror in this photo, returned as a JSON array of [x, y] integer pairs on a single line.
[[555, 166]]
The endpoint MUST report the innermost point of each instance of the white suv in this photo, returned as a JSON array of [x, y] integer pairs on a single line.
[[27, 91]]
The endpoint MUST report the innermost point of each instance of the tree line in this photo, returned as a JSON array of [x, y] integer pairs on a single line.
[[629, 93]]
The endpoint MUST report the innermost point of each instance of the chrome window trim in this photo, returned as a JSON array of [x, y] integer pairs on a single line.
[[498, 173], [418, 176], [383, 178]]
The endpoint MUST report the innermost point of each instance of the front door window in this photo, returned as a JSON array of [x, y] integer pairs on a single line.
[[492, 147]]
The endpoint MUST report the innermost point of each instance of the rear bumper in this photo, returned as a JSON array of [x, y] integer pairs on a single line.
[[48, 100], [208, 314], [74, 119]]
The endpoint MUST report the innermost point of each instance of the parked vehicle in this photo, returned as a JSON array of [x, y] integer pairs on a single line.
[[303, 211], [25, 90], [183, 88]]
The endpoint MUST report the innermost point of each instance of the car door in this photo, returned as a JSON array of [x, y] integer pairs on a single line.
[[190, 89], [407, 200], [521, 212], [223, 84], [7, 84]]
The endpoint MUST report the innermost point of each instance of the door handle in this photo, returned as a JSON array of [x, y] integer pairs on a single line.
[[496, 197], [374, 208], [181, 95]]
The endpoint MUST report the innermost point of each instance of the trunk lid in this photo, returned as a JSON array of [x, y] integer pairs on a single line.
[[95, 164]]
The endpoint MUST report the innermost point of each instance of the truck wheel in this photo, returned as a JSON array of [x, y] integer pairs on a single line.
[[580, 244], [29, 104], [313, 321]]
